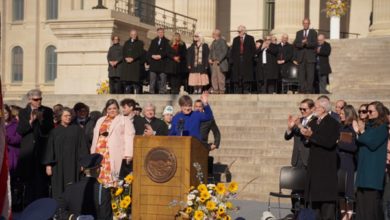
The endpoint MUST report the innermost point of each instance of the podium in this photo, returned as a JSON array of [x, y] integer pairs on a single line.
[[163, 172]]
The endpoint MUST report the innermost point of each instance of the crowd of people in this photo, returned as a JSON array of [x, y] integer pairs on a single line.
[[353, 143], [247, 66], [52, 149]]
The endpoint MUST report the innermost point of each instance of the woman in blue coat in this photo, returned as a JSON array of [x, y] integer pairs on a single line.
[[187, 122], [372, 149]]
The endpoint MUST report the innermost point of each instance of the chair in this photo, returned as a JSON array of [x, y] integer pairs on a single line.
[[290, 79], [291, 178]]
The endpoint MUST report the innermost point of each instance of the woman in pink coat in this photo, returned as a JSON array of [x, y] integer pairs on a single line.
[[113, 139]]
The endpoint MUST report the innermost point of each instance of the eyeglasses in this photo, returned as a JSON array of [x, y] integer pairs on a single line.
[[370, 112], [362, 111], [303, 109], [37, 99]]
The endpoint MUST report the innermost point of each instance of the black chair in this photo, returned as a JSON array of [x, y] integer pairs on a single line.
[[291, 178], [290, 80]]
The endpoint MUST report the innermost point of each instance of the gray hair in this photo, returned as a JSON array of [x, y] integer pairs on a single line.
[[34, 93], [149, 105], [325, 103]]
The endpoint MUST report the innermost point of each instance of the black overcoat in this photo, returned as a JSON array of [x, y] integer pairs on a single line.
[[270, 70], [132, 71], [244, 71], [321, 181], [164, 50], [323, 59], [205, 59], [286, 53], [115, 54], [178, 68], [157, 125]]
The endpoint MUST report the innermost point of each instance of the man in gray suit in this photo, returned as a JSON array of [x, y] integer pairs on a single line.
[[300, 156], [300, 152], [218, 62]]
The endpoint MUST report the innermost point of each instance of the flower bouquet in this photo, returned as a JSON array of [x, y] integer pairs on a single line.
[[210, 202], [336, 7], [121, 198], [103, 87]]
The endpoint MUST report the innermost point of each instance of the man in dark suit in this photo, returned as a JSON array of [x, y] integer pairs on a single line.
[[306, 45], [87, 197], [269, 72], [133, 52], [241, 57], [115, 61], [322, 66], [149, 125], [322, 136], [285, 55], [158, 54], [35, 124]]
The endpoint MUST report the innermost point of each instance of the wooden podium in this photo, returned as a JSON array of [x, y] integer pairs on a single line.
[[163, 172]]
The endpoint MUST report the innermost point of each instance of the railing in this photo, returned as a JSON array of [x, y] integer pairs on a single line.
[[157, 16], [342, 33]]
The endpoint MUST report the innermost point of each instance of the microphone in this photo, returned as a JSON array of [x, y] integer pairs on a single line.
[[180, 126]]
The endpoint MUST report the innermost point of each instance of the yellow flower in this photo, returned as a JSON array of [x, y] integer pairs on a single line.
[[117, 214], [229, 205], [198, 215], [221, 211], [210, 205], [227, 217], [220, 188], [129, 179], [127, 199], [202, 199], [114, 206], [123, 204], [205, 194], [233, 187], [202, 188], [189, 210], [118, 191]]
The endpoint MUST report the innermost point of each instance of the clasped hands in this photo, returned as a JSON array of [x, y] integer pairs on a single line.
[[296, 121]]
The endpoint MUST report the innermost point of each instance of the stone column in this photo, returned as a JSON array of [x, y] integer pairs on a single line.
[[205, 12], [381, 18], [288, 17]]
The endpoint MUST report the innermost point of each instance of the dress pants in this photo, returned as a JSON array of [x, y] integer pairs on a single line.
[[131, 87], [162, 89], [368, 204], [115, 85], [269, 86], [217, 78], [386, 196], [324, 210], [322, 82], [306, 77], [175, 80]]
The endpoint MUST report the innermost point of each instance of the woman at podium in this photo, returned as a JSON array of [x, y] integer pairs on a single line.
[[187, 122]]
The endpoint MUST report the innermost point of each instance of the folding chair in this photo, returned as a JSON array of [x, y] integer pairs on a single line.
[[291, 178]]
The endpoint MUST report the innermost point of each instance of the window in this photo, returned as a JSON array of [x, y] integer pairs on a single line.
[[51, 9], [17, 10], [50, 64], [17, 64]]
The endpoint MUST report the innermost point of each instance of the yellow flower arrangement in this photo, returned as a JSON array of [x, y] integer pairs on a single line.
[[129, 179], [233, 187], [220, 188], [198, 215], [118, 191], [202, 188], [121, 198], [208, 201], [103, 87], [205, 195], [189, 210], [336, 7], [210, 205]]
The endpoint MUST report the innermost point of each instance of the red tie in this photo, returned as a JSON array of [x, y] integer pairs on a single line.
[[241, 45]]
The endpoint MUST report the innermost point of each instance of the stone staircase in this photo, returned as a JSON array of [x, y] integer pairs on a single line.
[[252, 126]]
